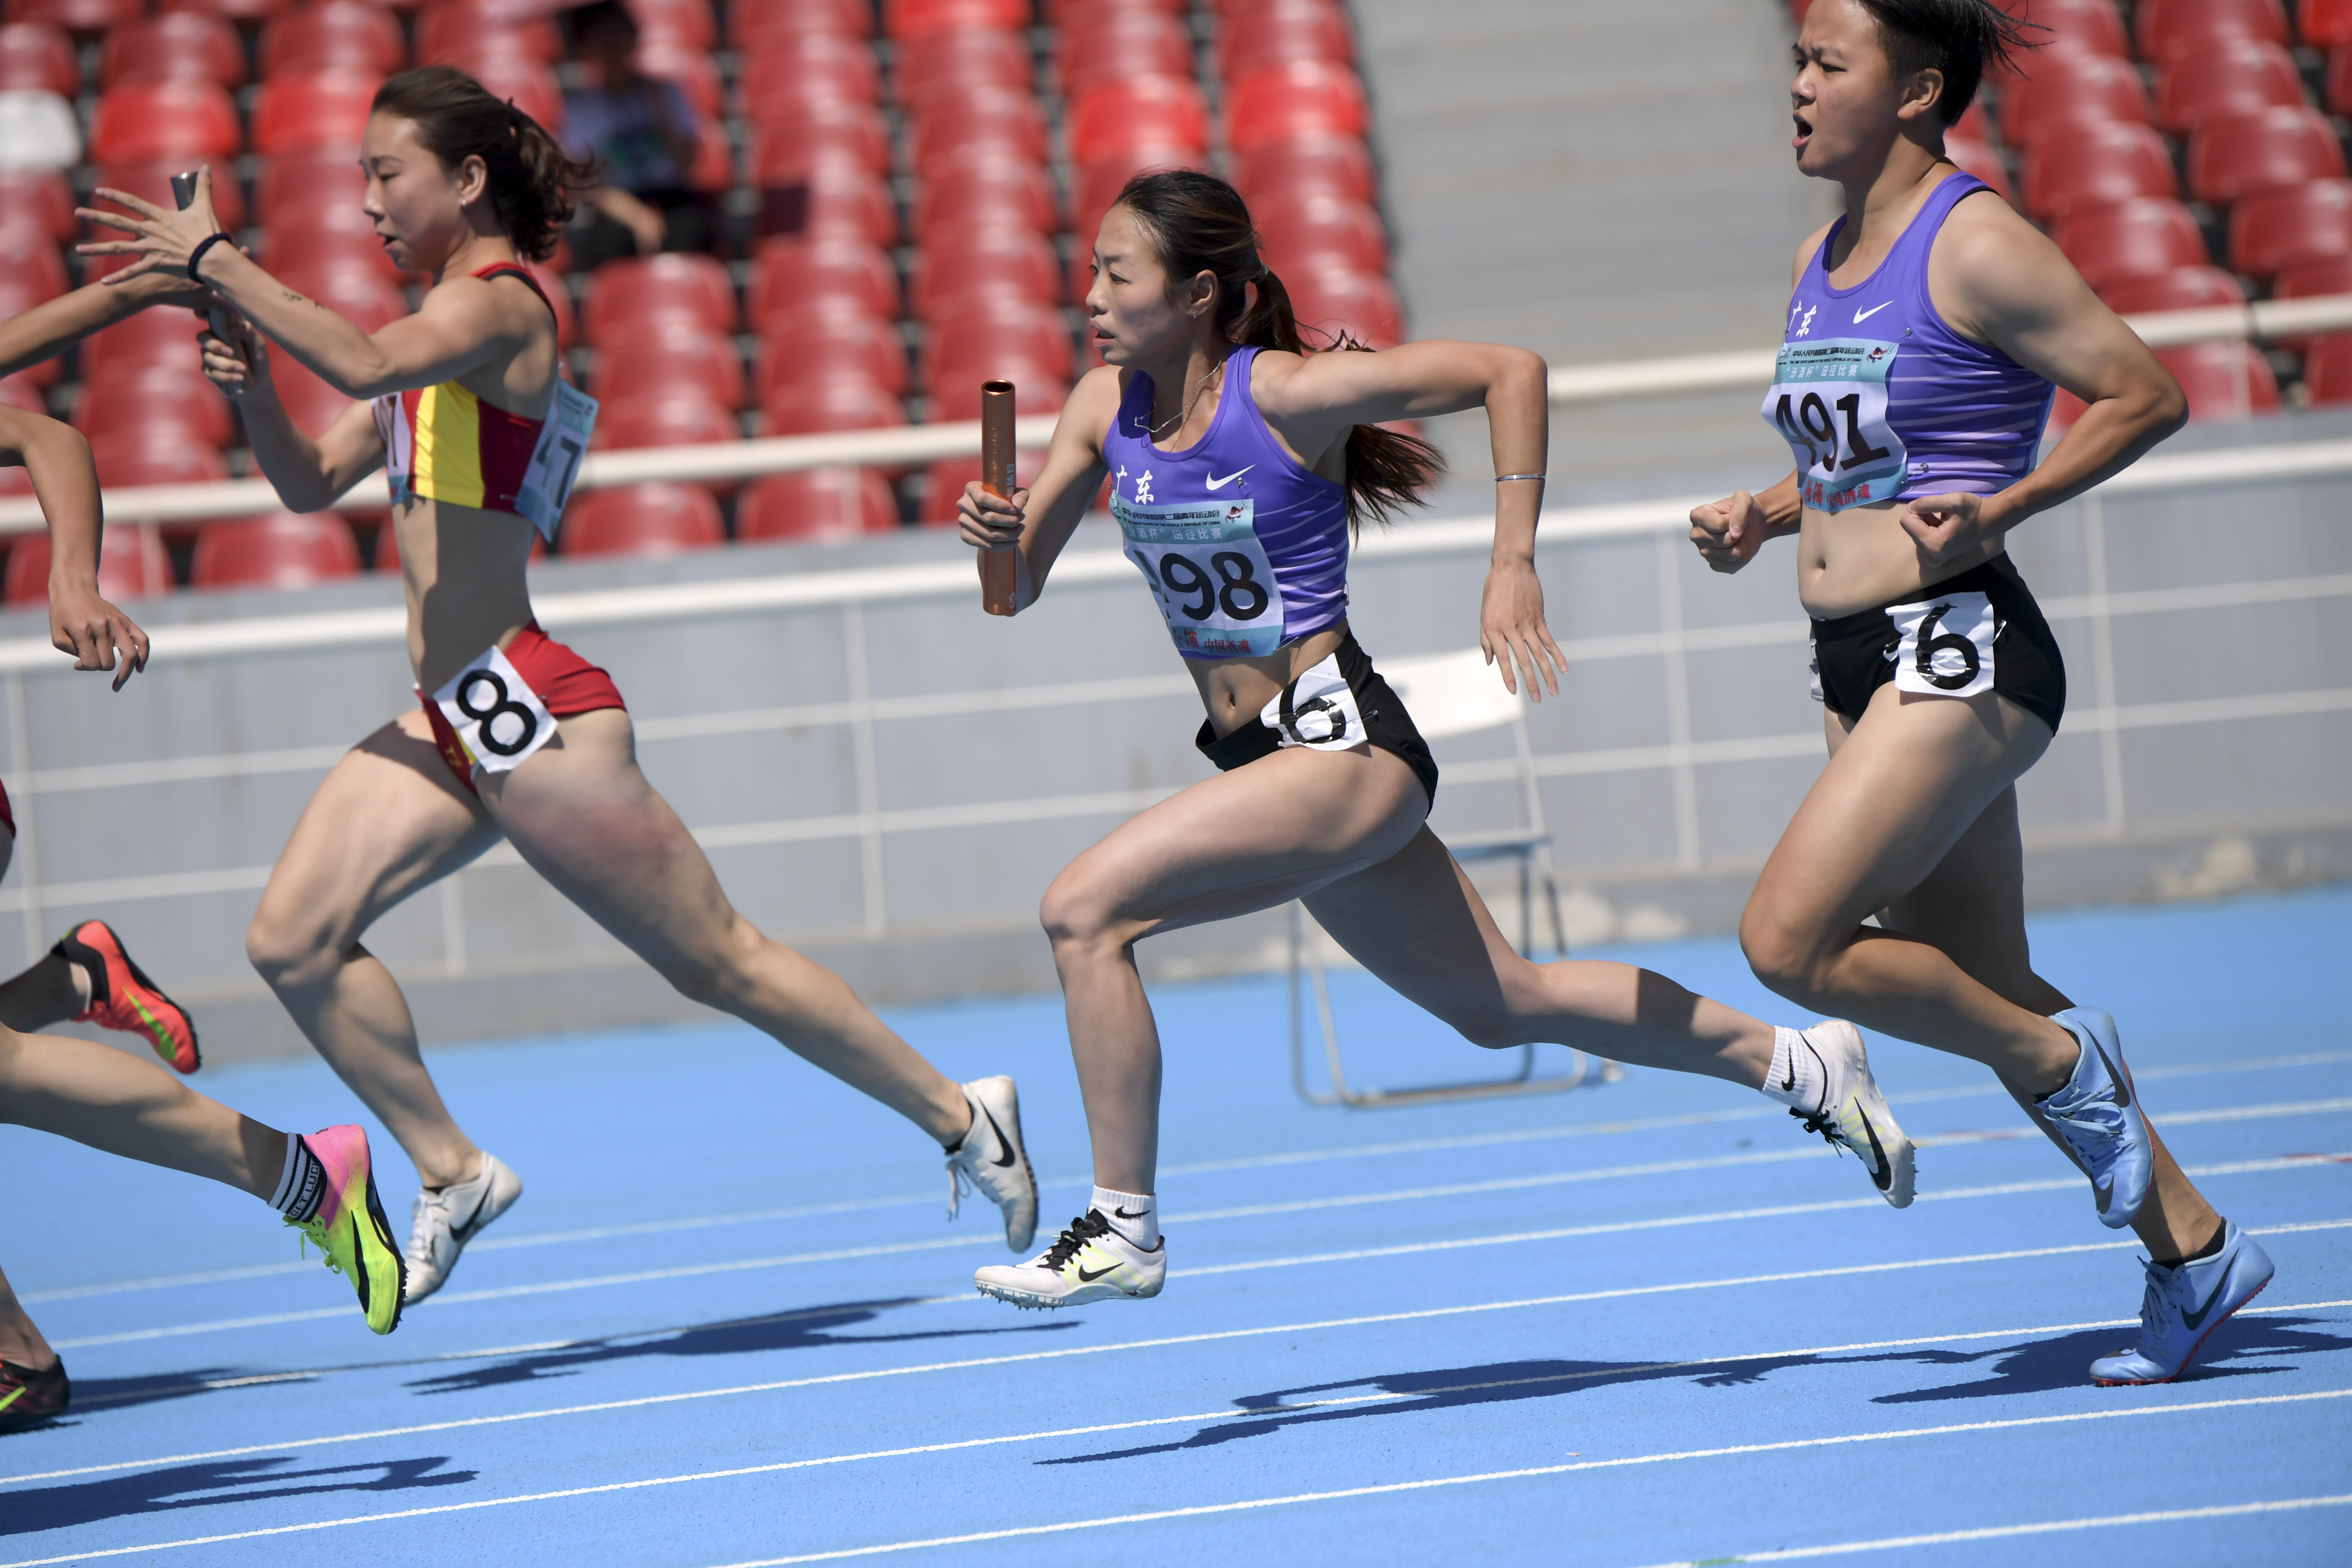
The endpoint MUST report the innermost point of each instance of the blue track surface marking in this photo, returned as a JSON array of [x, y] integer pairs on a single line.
[[1642, 1323]]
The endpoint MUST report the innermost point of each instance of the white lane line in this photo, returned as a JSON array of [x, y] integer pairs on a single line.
[[1736, 1450], [2006, 1531], [1256, 1161], [737, 1266], [1206, 1337]]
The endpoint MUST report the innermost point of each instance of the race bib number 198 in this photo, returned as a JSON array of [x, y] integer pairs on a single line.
[[1829, 403], [498, 719], [1209, 572]]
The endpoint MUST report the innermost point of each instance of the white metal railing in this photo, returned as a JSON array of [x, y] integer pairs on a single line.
[[915, 445]]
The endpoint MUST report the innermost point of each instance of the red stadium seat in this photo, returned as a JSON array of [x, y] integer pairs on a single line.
[[817, 65], [2182, 288], [129, 460], [2190, 26], [281, 550], [807, 271], [1324, 232], [175, 43], [450, 28], [833, 200], [159, 337], [81, 16], [2131, 239], [1360, 304], [2235, 75], [2066, 89], [2280, 228], [1978, 158], [1338, 166], [30, 266], [1294, 99], [1285, 30], [39, 202], [19, 391], [982, 190], [131, 565], [234, 10], [310, 401], [298, 189], [666, 357], [180, 116], [2314, 279], [681, 24], [2324, 24], [714, 159], [642, 519], [665, 419], [39, 58], [328, 107], [955, 389], [805, 342], [1005, 329], [2224, 380], [913, 18], [649, 288], [1071, 12], [528, 84], [790, 133], [153, 181], [1001, 260], [962, 61], [693, 70], [825, 407], [150, 397], [1115, 42], [344, 32], [2338, 81], [816, 503], [2327, 370], [951, 476], [1112, 117], [750, 23], [2075, 27], [2247, 154], [2094, 165], [982, 116]]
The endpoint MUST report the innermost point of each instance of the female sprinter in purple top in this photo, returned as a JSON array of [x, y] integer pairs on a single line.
[[1925, 330], [1239, 468]]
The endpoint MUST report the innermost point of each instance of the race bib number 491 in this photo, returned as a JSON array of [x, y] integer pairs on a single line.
[[1209, 573], [1829, 403], [498, 719]]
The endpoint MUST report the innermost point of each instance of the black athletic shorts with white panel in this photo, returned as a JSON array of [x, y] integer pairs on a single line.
[[1338, 705], [1978, 632]]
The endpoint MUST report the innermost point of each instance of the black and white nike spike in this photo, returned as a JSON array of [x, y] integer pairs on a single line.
[[1853, 1115], [1090, 1261], [992, 1160]]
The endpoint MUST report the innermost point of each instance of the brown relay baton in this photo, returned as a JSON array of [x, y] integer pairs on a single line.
[[999, 478]]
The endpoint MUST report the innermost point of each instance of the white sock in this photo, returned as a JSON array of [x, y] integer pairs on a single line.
[[1135, 1216], [1796, 1079], [301, 1184]]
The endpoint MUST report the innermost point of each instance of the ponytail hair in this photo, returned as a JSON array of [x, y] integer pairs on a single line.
[[533, 184], [1200, 224]]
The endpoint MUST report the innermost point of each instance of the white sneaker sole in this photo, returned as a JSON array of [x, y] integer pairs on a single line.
[[1085, 1295]]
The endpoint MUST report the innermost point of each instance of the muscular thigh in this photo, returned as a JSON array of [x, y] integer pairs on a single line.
[[1249, 840], [390, 818]]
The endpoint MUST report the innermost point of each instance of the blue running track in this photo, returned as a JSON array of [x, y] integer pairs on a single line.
[[1638, 1323]]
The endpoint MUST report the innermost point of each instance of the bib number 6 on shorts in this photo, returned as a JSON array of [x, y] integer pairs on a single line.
[[498, 718]]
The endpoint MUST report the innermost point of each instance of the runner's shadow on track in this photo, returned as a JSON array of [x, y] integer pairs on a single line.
[[204, 1486], [2043, 1366], [120, 1392], [1415, 1393], [806, 1328]]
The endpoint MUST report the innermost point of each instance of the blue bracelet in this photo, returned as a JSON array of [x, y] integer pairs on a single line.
[[197, 256]]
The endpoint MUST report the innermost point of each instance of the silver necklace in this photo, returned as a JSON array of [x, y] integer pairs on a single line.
[[1176, 421]]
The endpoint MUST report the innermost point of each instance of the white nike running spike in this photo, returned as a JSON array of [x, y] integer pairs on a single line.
[[1853, 1115], [444, 1221], [1091, 1261], [992, 1160]]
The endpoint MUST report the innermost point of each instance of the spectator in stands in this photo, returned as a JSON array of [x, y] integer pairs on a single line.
[[641, 131]]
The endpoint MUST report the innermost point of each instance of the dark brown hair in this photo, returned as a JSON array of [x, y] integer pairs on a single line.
[[1961, 38], [1200, 224], [533, 184]]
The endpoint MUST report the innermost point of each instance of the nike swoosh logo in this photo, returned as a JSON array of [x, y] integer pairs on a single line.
[[1124, 1214], [2197, 1319], [2123, 1085], [1217, 484], [2103, 1190], [1003, 1144], [1089, 1276], [1882, 1174], [1865, 315]]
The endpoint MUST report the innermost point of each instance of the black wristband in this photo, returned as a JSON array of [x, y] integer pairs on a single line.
[[197, 256]]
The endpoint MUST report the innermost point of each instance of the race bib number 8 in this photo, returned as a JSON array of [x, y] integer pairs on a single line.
[[555, 461], [1829, 403], [1947, 648], [1215, 588], [498, 718]]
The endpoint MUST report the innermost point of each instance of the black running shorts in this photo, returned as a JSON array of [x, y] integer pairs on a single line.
[[1978, 632], [1368, 712]]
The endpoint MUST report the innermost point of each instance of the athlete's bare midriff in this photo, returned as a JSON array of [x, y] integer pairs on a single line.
[[1860, 558], [464, 570], [1237, 690]]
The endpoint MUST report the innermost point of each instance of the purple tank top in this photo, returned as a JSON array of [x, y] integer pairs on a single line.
[[1246, 549], [1880, 400]]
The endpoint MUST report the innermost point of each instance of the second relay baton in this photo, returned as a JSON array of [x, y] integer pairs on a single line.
[[999, 478]]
